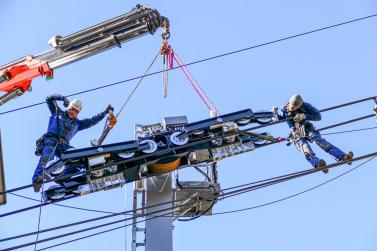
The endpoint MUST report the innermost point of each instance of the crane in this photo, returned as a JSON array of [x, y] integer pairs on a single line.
[[16, 76]]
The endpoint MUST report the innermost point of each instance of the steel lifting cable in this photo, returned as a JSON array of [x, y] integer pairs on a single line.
[[112, 119], [224, 196]]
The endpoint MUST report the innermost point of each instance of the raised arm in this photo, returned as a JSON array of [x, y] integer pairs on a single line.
[[282, 114], [51, 102], [89, 122]]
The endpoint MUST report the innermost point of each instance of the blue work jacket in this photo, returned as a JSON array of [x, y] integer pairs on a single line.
[[311, 113], [61, 125]]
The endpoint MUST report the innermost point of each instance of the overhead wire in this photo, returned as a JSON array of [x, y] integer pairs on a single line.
[[101, 232], [206, 59], [235, 192], [224, 196], [66, 206], [252, 128], [348, 131], [178, 147], [250, 48], [225, 212], [296, 194]]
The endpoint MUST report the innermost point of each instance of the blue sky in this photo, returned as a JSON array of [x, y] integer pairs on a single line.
[[326, 68]]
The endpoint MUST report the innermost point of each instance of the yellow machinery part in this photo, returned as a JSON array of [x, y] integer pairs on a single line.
[[166, 167]]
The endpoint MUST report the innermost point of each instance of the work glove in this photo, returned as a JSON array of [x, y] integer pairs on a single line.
[[299, 117], [274, 111], [65, 102], [109, 109]]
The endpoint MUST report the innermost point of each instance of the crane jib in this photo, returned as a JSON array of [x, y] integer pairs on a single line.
[[16, 77]]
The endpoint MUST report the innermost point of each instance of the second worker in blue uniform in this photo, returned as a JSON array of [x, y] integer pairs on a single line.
[[302, 132]]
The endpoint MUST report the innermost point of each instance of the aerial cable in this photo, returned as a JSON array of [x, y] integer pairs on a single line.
[[255, 185], [279, 200], [203, 141], [226, 195], [102, 232], [219, 213], [292, 176], [323, 110], [206, 59], [82, 230], [43, 183], [92, 219], [293, 195], [199, 142], [235, 192], [347, 122], [90, 228], [66, 206], [348, 131], [278, 140], [25, 209]]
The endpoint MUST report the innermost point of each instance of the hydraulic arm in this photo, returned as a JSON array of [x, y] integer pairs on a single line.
[[16, 77]]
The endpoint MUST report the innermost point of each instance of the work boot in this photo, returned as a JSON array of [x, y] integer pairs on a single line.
[[321, 164], [348, 156], [37, 183]]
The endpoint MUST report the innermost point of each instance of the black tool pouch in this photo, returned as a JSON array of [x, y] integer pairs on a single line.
[[39, 144]]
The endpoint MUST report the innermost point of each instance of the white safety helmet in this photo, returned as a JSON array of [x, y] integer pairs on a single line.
[[295, 102], [77, 104]]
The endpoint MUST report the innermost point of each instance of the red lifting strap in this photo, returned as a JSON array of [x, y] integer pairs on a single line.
[[173, 56]]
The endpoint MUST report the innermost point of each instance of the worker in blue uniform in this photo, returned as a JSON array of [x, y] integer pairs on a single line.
[[62, 126], [302, 132]]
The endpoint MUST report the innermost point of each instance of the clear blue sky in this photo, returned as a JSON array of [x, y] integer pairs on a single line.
[[327, 68]]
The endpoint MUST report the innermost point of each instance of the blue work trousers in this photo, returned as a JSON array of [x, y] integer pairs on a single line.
[[314, 136], [51, 149]]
